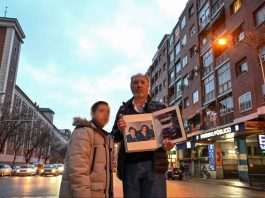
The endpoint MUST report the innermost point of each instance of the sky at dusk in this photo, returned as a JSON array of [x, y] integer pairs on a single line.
[[78, 52]]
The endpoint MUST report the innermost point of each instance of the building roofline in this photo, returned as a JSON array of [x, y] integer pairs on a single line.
[[163, 40], [13, 22]]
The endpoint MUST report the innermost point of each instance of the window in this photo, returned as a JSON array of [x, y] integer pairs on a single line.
[[184, 41], [249, 150], [241, 67], [226, 106], [160, 87], [171, 42], [245, 102], [171, 57], [224, 78], [178, 88], [192, 30], [178, 68], [184, 61], [195, 97], [164, 67], [238, 35], [183, 22], [193, 51], [171, 77], [164, 51], [235, 6], [204, 16], [177, 49], [160, 72], [191, 11], [186, 102], [164, 83], [259, 15], [209, 88], [177, 31], [186, 81], [207, 60]]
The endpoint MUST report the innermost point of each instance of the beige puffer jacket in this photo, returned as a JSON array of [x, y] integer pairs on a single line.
[[88, 162]]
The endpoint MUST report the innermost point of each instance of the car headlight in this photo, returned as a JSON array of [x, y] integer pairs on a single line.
[[61, 169], [28, 170], [53, 170], [17, 171]]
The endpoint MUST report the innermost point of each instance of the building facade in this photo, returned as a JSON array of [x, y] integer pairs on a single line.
[[215, 56], [158, 72], [21, 120]]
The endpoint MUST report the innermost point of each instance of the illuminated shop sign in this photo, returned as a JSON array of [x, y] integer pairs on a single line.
[[262, 143], [223, 131], [216, 132]]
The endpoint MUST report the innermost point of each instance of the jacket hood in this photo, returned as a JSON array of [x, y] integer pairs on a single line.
[[81, 122]]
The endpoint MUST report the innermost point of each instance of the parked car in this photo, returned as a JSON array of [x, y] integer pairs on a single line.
[[51, 169], [5, 169], [60, 168], [26, 170], [174, 173], [15, 169]]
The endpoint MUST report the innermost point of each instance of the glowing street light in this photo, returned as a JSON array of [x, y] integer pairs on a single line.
[[222, 41]]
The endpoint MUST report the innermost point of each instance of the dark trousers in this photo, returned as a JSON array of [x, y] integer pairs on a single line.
[[141, 181]]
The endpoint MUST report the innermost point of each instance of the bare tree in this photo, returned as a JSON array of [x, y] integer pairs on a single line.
[[10, 121]]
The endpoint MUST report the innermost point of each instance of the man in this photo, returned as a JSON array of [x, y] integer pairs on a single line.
[[142, 173], [132, 136]]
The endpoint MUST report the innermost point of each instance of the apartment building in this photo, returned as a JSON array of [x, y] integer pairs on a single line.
[[215, 58]]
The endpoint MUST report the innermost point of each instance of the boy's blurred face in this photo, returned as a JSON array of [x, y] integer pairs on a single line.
[[101, 115]]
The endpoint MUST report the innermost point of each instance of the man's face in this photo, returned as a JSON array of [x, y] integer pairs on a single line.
[[140, 87], [132, 132]]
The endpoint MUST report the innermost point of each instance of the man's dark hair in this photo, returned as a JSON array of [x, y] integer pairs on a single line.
[[131, 128], [96, 105]]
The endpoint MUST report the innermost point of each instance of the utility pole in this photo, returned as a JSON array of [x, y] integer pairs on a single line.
[[5, 12]]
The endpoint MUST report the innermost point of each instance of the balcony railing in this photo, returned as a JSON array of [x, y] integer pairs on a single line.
[[171, 98], [208, 69], [226, 118], [219, 4], [209, 96], [205, 22], [224, 87], [178, 94], [221, 59]]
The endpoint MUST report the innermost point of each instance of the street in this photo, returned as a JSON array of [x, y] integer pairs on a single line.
[[49, 187]]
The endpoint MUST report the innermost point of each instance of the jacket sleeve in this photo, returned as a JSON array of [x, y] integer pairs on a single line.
[[79, 163], [116, 133]]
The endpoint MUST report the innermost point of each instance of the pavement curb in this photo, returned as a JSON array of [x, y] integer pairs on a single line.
[[226, 184]]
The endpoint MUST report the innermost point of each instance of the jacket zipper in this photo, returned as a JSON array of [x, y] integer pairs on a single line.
[[93, 162]]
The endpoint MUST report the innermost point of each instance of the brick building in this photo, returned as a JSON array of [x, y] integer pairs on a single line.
[[215, 75]]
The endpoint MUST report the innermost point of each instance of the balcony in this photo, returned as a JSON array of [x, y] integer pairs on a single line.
[[226, 118], [209, 97], [221, 59], [205, 22], [207, 70], [225, 87], [171, 98], [178, 94], [217, 7]]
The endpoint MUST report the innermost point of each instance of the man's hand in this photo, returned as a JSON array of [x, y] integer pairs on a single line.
[[121, 124], [167, 145]]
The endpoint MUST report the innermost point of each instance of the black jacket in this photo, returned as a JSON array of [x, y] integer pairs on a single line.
[[159, 156]]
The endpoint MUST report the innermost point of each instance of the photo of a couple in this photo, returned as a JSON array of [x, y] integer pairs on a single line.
[[144, 134]]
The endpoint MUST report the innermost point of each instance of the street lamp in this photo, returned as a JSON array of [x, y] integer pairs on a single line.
[[222, 41]]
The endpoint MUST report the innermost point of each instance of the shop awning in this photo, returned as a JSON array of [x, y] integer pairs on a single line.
[[186, 145]]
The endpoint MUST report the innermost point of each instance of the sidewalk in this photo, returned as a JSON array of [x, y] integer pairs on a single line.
[[227, 182]]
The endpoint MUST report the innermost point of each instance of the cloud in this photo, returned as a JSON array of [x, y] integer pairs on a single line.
[[119, 45]]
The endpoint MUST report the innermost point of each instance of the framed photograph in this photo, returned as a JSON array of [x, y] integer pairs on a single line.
[[147, 132]]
